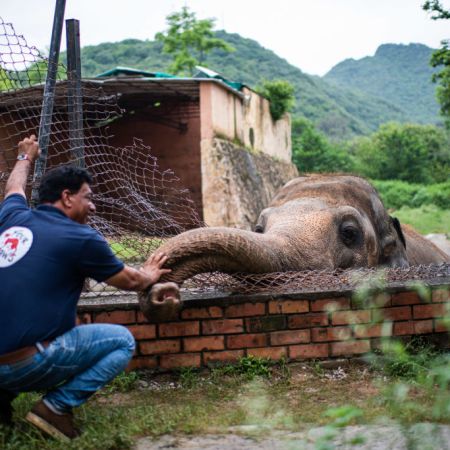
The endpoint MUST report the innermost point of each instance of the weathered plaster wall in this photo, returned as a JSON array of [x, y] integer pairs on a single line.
[[245, 119], [238, 184]]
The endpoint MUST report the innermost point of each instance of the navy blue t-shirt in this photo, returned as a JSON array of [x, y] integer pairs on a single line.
[[44, 259]]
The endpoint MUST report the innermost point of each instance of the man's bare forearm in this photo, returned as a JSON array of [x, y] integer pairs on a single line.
[[17, 180], [130, 279], [137, 280]]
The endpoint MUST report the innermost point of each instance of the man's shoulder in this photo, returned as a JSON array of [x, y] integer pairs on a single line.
[[11, 205], [14, 199]]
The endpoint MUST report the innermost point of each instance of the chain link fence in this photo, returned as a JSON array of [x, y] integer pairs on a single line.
[[316, 280], [138, 204]]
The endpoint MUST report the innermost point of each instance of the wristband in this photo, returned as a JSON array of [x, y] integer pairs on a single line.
[[23, 157]]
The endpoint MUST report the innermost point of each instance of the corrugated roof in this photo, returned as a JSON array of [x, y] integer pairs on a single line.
[[157, 87]]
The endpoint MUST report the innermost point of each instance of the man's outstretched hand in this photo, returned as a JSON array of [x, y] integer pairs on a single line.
[[153, 267]]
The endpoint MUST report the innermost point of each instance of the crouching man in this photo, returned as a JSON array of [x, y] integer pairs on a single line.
[[45, 255]]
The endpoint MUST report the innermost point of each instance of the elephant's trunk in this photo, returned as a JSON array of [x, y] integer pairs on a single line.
[[222, 249]]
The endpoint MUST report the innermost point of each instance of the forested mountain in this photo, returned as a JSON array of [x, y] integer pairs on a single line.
[[338, 110], [400, 73]]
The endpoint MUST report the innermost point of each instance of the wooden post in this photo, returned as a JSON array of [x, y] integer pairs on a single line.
[[49, 97], [75, 95]]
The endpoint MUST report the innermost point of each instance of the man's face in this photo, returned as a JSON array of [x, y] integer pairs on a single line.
[[81, 204]]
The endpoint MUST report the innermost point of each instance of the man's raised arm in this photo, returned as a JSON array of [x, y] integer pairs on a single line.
[[28, 152]]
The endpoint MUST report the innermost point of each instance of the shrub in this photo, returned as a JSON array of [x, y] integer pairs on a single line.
[[280, 94], [396, 194], [408, 152]]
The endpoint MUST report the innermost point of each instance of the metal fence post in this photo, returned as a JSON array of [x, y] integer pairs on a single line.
[[75, 95], [49, 96]]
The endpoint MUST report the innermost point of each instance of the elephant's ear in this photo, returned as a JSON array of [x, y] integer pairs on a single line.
[[260, 226], [398, 229], [393, 254]]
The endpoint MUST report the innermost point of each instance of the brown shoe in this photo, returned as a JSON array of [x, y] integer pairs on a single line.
[[59, 426]]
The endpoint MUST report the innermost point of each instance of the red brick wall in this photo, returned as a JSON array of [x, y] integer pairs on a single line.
[[294, 326]]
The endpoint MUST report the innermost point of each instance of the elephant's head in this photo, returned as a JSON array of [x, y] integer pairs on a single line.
[[315, 222]]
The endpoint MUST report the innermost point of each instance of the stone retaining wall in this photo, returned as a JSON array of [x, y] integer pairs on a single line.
[[296, 326]]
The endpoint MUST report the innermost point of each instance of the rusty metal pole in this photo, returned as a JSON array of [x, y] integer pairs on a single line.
[[49, 97], [75, 95]]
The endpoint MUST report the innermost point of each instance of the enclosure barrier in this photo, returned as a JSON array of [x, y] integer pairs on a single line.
[[215, 330]]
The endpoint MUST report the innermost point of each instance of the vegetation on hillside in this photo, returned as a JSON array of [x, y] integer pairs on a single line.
[[339, 112], [400, 73]]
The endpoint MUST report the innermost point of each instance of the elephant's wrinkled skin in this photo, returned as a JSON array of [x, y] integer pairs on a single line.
[[314, 222]]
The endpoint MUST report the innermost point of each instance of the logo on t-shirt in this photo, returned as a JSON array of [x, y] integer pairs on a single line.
[[14, 245]]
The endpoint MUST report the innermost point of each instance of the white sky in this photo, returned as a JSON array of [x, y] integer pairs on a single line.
[[313, 35]]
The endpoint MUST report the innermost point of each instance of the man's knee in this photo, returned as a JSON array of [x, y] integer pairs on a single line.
[[123, 337]]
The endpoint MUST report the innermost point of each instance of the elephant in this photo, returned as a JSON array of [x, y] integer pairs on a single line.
[[315, 222]]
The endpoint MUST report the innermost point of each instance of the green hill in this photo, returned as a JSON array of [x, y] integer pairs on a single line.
[[398, 73], [338, 110]]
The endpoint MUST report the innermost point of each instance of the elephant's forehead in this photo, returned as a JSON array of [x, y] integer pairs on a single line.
[[311, 213], [305, 205]]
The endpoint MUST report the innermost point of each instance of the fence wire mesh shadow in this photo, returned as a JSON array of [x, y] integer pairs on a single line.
[[138, 204]]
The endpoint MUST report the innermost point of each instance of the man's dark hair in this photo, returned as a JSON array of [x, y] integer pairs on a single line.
[[55, 181]]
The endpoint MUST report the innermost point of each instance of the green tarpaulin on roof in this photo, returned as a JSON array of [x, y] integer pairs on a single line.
[[118, 71], [202, 72]]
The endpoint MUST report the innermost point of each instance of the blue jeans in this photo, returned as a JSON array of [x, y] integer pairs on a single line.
[[73, 367]]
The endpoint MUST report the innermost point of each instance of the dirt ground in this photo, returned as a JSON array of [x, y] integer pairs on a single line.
[[422, 436]]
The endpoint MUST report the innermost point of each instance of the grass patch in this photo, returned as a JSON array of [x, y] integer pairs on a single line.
[[255, 392], [134, 248], [426, 219]]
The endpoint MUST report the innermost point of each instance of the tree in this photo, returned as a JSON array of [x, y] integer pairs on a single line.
[[441, 57], [312, 152], [280, 94], [408, 152], [189, 40]]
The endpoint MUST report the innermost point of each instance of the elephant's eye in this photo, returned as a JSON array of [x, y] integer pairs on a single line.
[[350, 234], [259, 229]]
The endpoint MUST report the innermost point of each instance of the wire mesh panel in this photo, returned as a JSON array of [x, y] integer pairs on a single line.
[[138, 204]]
